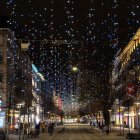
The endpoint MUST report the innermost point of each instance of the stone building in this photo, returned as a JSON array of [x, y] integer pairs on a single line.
[[125, 84]]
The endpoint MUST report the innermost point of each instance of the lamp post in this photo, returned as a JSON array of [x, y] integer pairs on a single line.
[[74, 70], [123, 119], [19, 121], [109, 119], [119, 118], [48, 115], [100, 113], [128, 117], [20, 106]]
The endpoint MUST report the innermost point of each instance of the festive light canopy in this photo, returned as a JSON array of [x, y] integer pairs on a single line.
[[66, 33]]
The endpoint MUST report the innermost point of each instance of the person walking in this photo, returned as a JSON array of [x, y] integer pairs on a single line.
[[43, 127], [25, 128], [37, 129], [16, 127], [50, 129], [106, 129]]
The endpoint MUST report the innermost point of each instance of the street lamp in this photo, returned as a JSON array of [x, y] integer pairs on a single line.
[[119, 134], [20, 106], [48, 115], [110, 119], [100, 117], [74, 69]]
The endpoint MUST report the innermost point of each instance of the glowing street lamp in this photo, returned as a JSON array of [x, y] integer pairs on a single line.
[[74, 69]]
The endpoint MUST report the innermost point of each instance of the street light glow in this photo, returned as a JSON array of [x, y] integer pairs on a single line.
[[74, 69]]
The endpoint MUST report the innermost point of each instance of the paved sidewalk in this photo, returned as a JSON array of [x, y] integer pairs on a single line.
[[43, 136], [117, 130], [115, 134]]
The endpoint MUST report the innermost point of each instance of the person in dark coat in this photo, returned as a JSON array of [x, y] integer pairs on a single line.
[[50, 129], [37, 128]]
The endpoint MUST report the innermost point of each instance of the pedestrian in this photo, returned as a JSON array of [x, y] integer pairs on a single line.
[[102, 127], [90, 122], [16, 127], [124, 123], [106, 129], [43, 127], [113, 123], [99, 125], [37, 129], [50, 129], [25, 128]]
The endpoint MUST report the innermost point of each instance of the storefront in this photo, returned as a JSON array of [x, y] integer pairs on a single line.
[[129, 119], [2, 119]]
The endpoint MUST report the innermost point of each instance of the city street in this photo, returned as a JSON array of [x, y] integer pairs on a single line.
[[76, 132], [79, 132]]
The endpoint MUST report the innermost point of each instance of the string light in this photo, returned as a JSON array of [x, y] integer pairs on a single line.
[[59, 41], [133, 17]]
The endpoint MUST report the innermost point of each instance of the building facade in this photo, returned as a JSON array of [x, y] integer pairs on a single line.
[[125, 84], [37, 80], [7, 74], [15, 79]]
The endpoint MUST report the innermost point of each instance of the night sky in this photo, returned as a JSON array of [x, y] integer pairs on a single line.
[[93, 30]]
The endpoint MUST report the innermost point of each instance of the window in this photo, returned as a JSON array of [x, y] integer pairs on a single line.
[[1, 56]]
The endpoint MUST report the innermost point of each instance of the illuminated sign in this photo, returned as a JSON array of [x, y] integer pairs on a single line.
[[34, 68], [37, 72], [41, 76]]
